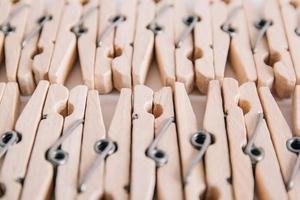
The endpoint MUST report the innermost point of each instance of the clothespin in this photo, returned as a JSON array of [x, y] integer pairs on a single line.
[[203, 42], [114, 48], [187, 126], [155, 28], [87, 37], [269, 46], [64, 52], [114, 147], [230, 36], [290, 17], [116, 181], [210, 141], [213, 122], [94, 129], [186, 21], [155, 152], [9, 109], [13, 28], [36, 20], [13, 170], [45, 47], [245, 120], [283, 142], [56, 155]]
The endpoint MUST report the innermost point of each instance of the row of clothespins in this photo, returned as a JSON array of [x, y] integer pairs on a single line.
[[59, 146], [116, 40]]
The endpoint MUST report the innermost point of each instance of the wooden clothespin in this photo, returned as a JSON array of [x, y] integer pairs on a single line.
[[64, 52], [283, 141], [48, 159], [245, 120], [45, 47], [203, 42], [13, 28], [87, 37], [113, 146], [230, 36], [117, 182], [269, 46], [211, 141], [13, 170], [290, 17], [114, 48], [94, 129], [9, 110], [36, 20], [185, 22], [154, 29], [154, 143], [187, 125], [217, 179]]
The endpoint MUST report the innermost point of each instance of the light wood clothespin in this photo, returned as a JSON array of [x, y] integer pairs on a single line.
[[117, 182], [114, 48], [45, 47], [281, 134], [245, 120], [13, 28], [217, 179], [9, 110], [154, 29], [269, 46], [64, 53], [13, 170], [154, 143], [185, 22], [36, 20], [94, 150], [187, 125], [290, 16], [94, 129], [203, 42], [87, 37], [40, 172], [68, 172], [212, 141], [230, 36]]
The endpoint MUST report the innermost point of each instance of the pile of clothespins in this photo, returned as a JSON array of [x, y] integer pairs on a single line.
[[55, 145]]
